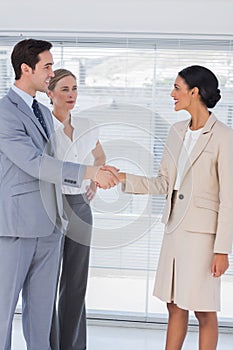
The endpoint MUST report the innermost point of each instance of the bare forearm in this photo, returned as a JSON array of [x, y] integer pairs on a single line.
[[100, 160], [99, 155]]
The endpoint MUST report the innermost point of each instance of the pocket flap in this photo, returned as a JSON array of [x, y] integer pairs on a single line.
[[25, 187], [207, 203]]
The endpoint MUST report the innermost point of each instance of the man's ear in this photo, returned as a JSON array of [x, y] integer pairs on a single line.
[[25, 68]]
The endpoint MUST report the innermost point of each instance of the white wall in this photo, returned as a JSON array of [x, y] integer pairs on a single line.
[[159, 16]]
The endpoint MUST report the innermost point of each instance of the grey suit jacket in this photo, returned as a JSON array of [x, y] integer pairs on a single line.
[[205, 198], [30, 176]]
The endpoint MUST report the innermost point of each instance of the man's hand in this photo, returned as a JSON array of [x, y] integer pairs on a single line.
[[220, 264], [105, 176]]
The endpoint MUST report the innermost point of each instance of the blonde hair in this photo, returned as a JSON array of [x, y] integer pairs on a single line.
[[58, 75]]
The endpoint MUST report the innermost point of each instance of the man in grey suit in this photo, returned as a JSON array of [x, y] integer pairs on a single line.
[[31, 213]]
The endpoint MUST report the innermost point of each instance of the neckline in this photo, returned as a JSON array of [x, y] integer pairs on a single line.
[[195, 131]]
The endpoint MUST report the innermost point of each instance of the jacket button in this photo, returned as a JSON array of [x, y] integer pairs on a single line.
[[181, 196]]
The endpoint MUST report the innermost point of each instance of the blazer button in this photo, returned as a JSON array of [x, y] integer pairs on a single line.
[[181, 196]]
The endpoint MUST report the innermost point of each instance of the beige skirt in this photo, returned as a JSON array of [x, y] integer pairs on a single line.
[[184, 270]]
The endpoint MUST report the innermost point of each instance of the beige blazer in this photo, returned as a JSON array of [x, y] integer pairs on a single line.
[[205, 197]]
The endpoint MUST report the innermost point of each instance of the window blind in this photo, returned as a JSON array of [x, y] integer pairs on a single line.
[[124, 85]]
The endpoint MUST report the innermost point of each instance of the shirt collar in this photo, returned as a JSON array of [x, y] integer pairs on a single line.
[[28, 99], [57, 123]]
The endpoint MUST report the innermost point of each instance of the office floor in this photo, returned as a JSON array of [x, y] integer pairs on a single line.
[[104, 337]]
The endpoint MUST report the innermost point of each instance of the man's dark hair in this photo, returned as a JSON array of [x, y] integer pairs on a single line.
[[27, 51]]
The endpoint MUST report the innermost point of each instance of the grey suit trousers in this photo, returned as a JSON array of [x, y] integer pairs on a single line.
[[30, 265]]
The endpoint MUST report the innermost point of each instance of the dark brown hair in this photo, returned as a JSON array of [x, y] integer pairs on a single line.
[[27, 51], [205, 80]]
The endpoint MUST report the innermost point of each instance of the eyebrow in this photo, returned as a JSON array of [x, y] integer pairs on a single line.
[[66, 86], [48, 64]]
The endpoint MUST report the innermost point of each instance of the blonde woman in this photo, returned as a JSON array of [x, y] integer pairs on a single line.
[[77, 140]]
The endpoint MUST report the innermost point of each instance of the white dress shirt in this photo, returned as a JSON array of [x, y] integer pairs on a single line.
[[190, 140], [79, 149], [28, 99]]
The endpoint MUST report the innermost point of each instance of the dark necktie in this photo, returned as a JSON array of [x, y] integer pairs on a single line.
[[39, 115]]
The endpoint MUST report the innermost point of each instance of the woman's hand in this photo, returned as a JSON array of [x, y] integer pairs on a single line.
[[104, 176], [91, 190], [220, 264]]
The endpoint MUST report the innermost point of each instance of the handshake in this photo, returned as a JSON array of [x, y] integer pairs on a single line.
[[104, 176]]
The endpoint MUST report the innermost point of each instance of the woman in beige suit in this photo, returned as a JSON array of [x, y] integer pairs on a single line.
[[196, 173]]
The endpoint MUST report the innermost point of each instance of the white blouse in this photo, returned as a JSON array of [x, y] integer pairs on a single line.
[[190, 140], [79, 149]]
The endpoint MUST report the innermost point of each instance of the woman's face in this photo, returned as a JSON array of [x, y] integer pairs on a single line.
[[65, 93], [181, 94]]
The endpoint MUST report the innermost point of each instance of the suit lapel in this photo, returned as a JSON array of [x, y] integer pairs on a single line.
[[200, 144], [24, 108]]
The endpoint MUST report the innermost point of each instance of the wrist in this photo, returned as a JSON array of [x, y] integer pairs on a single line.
[[122, 177], [91, 172]]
